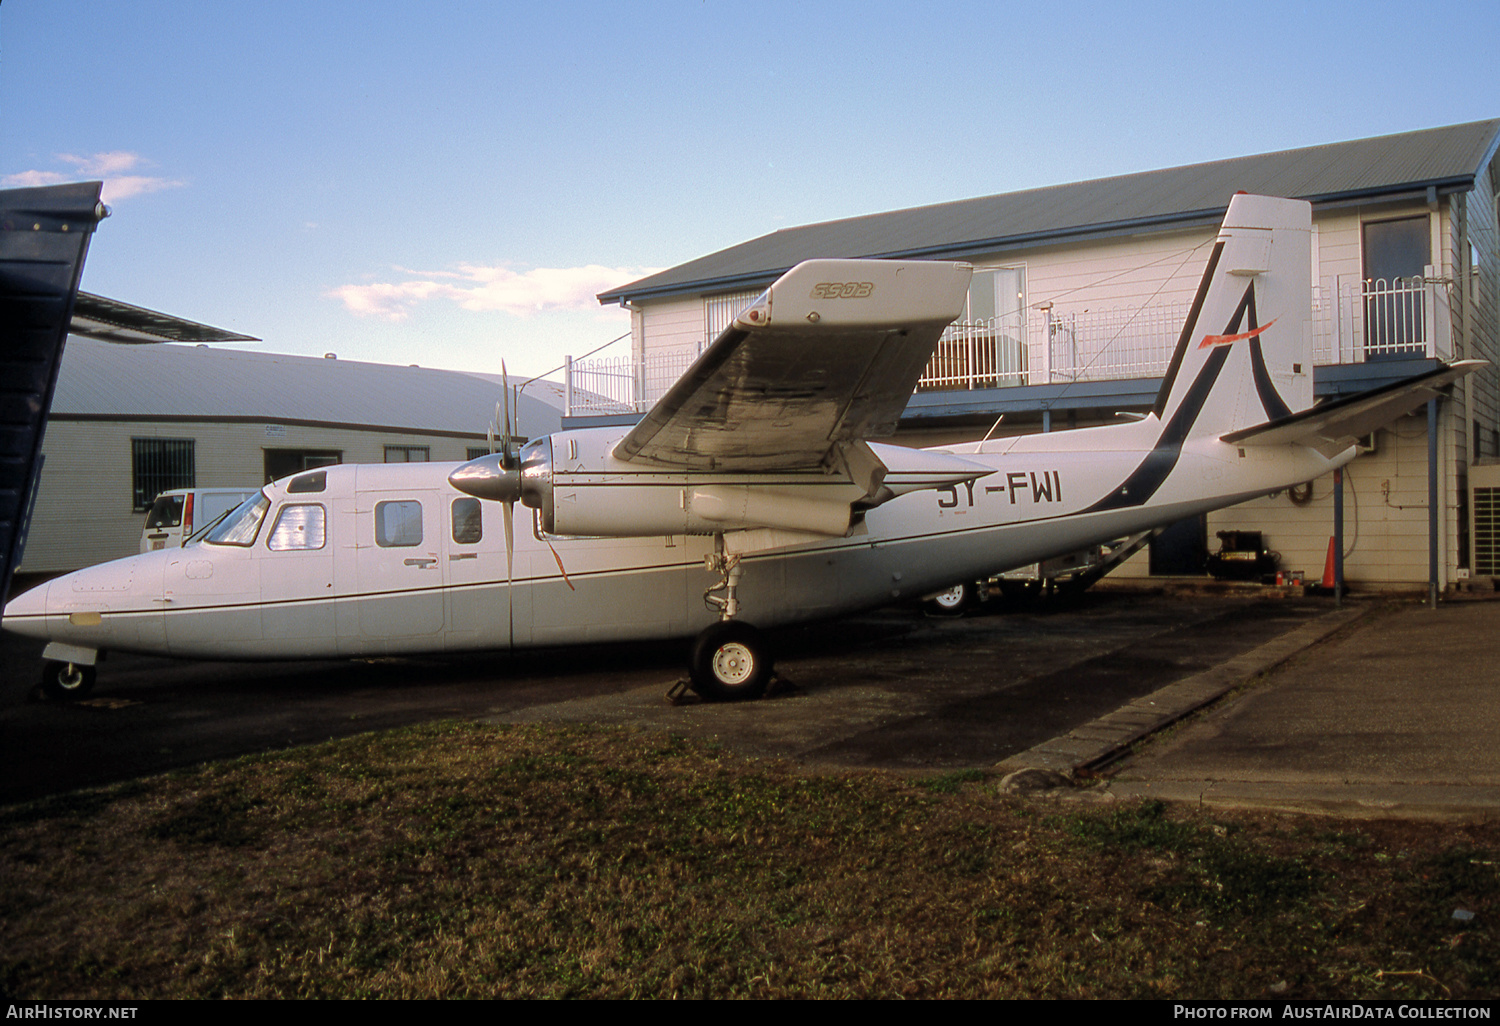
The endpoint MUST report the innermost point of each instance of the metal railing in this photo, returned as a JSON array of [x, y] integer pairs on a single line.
[[621, 384], [1353, 322], [977, 354]]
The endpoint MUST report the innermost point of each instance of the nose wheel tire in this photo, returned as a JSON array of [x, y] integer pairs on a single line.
[[730, 662], [67, 682]]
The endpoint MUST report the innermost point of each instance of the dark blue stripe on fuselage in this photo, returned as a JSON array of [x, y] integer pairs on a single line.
[[1153, 470]]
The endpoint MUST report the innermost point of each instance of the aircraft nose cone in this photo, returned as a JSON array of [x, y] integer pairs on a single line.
[[26, 613], [486, 478]]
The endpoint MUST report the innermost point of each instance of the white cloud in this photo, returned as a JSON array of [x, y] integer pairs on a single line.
[[29, 179], [488, 289], [109, 167]]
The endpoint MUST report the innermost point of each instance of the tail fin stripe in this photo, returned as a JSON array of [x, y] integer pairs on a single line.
[[1188, 327], [1246, 324], [1270, 398]]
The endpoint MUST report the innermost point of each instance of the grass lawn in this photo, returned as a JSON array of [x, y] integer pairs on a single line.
[[469, 860]]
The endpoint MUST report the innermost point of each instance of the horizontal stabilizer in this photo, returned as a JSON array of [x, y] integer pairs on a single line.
[[1332, 427]]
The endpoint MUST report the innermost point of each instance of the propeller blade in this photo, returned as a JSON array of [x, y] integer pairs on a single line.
[[510, 541], [505, 425], [510, 584]]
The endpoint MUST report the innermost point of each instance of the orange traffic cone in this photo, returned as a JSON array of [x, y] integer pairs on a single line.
[[1328, 576]]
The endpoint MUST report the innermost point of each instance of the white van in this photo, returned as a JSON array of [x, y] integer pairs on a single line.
[[175, 515]]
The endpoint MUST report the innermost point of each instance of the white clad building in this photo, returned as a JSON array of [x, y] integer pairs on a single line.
[[1080, 291]]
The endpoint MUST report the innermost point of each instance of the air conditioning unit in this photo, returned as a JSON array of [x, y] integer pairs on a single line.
[[1484, 517]]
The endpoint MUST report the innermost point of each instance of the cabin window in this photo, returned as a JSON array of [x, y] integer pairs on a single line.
[[298, 526], [160, 465], [398, 524], [468, 525], [241, 526]]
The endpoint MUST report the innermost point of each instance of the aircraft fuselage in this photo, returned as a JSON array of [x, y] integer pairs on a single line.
[[388, 559]]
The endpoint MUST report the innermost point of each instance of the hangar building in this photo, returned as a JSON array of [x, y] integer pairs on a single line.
[[131, 421]]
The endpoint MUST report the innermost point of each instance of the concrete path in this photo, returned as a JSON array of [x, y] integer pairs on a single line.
[[1395, 711]]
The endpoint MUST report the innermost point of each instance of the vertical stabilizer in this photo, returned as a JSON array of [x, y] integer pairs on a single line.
[[1245, 353], [44, 234]]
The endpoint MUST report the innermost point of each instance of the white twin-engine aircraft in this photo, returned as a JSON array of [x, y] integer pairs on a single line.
[[755, 475]]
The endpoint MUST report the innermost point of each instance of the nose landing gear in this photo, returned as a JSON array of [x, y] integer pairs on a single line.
[[67, 682]]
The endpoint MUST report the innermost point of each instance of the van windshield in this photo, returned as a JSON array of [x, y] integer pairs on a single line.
[[242, 523], [166, 511]]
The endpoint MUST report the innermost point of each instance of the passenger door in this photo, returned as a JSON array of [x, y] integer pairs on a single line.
[[398, 566], [479, 612], [296, 575]]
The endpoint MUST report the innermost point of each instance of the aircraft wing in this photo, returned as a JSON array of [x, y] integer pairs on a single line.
[[1333, 426], [827, 356]]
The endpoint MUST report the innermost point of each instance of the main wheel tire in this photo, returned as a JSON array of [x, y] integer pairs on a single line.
[[951, 602], [67, 682], [730, 662]]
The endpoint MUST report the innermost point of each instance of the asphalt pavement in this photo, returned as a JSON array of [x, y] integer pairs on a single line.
[[1251, 698]]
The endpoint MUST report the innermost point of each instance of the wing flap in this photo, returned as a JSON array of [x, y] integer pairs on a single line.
[[829, 354]]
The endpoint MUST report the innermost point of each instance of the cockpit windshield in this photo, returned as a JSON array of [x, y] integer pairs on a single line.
[[240, 525]]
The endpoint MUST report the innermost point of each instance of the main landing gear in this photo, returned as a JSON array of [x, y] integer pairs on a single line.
[[952, 601], [67, 682], [730, 660]]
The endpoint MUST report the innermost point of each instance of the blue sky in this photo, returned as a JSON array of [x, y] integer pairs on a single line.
[[450, 183]]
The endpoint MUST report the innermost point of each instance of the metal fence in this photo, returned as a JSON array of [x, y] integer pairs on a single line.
[[1353, 321]]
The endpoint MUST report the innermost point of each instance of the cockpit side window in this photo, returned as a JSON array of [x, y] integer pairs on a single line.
[[241, 526], [468, 523], [317, 481], [398, 524], [300, 526]]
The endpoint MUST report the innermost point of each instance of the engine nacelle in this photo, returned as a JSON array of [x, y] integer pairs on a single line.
[[581, 488]]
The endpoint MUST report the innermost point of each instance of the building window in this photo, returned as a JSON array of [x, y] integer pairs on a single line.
[[282, 463], [159, 465], [719, 312], [1396, 255], [985, 347], [407, 454], [476, 451]]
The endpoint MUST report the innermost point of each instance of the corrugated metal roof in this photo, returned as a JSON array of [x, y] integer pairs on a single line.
[[176, 382], [1366, 169]]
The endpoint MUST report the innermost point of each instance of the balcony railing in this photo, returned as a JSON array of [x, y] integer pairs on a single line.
[[1353, 322]]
